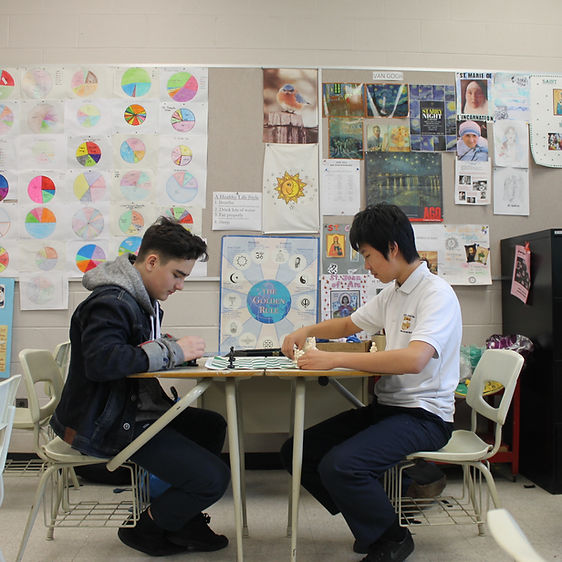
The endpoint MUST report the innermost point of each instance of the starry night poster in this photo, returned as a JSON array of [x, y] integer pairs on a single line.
[[411, 180]]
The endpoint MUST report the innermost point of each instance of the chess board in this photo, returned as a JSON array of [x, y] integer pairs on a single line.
[[250, 363]]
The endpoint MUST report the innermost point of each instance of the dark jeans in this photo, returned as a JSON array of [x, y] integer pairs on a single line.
[[345, 456], [186, 454]]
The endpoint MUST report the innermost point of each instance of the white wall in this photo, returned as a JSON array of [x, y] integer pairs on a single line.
[[480, 35]]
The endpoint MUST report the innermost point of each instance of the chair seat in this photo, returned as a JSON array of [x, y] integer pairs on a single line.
[[22, 419], [463, 446], [60, 451]]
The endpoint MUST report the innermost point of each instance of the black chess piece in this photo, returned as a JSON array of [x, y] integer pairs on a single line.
[[231, 358]]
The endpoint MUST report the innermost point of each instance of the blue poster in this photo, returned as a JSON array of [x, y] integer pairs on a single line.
[[268, 289], [6, 315]]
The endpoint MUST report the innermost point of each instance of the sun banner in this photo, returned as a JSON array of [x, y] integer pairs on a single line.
[[290, 189]]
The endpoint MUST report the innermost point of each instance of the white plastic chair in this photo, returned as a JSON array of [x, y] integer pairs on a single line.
[[8, 388], [465, 448], [39, 366], [510, 537]]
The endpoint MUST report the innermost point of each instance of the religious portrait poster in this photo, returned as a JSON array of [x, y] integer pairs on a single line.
[[474, 90], [290, 105], [411, 180], [337, 254], [290, 189], [433, 117], [268, 289]]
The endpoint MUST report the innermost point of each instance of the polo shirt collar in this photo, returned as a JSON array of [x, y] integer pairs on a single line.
[[413, 280]]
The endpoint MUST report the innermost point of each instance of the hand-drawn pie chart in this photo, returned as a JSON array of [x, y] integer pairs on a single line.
[[135, 114], [40, 222], [182, 215], [5, 222], [182, 187], [40, 290], [89, 256], [136, 82], [84, 83], [4, 187], [132, 150], [181, 155], [88, 154], [46, 258], [89, 186], [130, 245], [88, 115], [183, 120], [87, 223], [7, 84], [4, 259], [182, 86], [135, 185], [36, 83], [6, 119], [43, 118], [131, 222], [41, 189]]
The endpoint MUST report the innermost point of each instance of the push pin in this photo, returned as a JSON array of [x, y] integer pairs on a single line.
[[231, 358]]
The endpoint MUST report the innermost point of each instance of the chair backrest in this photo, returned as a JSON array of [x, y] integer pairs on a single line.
[[500, 365], [62, 357], [39, 366], [510, 537], [8, 389]]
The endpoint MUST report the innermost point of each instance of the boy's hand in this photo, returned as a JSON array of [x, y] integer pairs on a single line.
[[193, 347]]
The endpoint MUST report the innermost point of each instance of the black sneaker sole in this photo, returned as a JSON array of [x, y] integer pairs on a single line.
[[166, 549], [198, 546]]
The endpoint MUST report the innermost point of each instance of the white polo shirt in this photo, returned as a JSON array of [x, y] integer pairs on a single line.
[[424, 308]]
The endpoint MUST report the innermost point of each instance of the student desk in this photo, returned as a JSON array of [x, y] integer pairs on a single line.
[[299, 378], [205, 378]]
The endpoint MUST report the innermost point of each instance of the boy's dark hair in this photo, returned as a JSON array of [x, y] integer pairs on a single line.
[[170, 240], [381, 225]]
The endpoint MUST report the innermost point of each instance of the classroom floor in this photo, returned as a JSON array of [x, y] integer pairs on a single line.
[[322, 537]]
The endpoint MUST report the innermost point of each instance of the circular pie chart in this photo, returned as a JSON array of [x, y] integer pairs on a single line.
[[183, 120], [36, 83], [131, 222], [43, 118], [181, 155], [40, 290], [84, 83], [46, 258], [88, 154], [5, 222], [130, 245], [136, 82], [182, 187], [4, 187], [88, 115], [89, 256], [89, 186], [7, 84], [4, 259], [135, 115], [87, 223], [41, 189], [182, 215], [40, 222], [182, 86], [132, 150], [135, 185], [6, 119]]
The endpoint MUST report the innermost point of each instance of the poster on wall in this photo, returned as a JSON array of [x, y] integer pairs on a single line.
[[510, 95], [268, 289], [411, 180], [546, 120], [337, 254], [474, 90], [6, 317]]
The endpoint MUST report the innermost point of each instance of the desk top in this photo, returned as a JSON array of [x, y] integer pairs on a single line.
[[199, 372], [340, 373]]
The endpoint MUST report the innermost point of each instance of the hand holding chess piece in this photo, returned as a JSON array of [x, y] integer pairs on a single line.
[[309, 344]]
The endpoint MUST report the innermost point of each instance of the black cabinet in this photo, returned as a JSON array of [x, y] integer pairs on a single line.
[[540, 319]]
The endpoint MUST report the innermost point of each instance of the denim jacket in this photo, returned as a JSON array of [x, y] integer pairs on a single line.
[[99, 404]]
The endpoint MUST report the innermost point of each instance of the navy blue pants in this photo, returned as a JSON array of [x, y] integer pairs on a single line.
[[186, 454], [345, 456]]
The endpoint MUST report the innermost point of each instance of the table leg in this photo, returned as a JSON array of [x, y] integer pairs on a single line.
[[298, 429], [242, 458], [234, 453], [291, 433]]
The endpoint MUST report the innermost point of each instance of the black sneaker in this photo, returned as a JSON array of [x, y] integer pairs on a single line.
[[147, 537], [385, 550], [196, 535]]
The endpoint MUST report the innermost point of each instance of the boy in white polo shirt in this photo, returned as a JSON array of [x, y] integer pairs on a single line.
[[345, 456]]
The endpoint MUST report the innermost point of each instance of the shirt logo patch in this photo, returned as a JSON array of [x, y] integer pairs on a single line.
[[407, 321]]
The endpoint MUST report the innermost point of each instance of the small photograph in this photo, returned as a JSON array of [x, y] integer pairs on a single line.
[[474, 96], [335, 246], [472, 145], [470, 251], [465, 180], [462, 195], [557, 101], [342, 100], [482, 254], [343, 303], [430, 258], [554, 141]]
